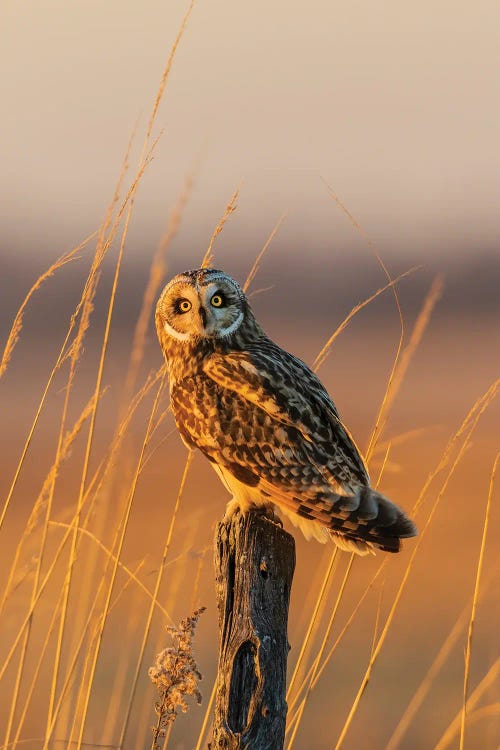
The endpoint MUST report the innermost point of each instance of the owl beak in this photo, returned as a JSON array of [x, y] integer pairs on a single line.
[[203, 316]]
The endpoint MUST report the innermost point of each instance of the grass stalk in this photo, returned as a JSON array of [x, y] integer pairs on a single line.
[[253, 271], [124, 525], [478, 410], [142, 393], [42, 652], [316, 670], [347, 625], [402, 361], [66, 443], [75, 655], [144, 161], [166, 73], [34, 678], [84, 475], [313, 622], [432, 298], [27, 700], [453, 729], [315, 665], [383, 464], [39, 503], [149, 619], [131, 631], [84, 306], [176, 582], [474, 604], [325, 351], [431, 674], [17, 325], [377, 619], [41, 404], [128, 204], [128, 572], [379, 424], [208, 258], [208, 713], [156, 276]]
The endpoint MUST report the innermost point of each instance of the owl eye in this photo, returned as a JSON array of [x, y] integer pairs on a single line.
[[184, 305], [217, 300]]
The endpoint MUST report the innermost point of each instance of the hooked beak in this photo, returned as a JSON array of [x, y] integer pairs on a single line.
[[203, 316]]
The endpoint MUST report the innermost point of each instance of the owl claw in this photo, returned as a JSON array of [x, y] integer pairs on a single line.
[[232, 508], [235, 506], [268, 512]]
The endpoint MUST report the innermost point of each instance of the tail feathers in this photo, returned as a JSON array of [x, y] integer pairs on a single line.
[[367, 520], [358, 546], [360, 522]]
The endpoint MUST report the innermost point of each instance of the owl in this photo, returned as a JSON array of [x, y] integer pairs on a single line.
[[264, 420]]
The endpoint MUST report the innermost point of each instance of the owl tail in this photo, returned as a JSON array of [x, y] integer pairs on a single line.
[[366, 521]]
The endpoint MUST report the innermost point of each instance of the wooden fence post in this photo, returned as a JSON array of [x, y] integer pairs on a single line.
[[254, 565]]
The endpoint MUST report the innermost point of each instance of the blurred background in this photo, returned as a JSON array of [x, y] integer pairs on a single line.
[[391, 110]]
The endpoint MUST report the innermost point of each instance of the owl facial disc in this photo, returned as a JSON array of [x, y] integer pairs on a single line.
[[204, 304]]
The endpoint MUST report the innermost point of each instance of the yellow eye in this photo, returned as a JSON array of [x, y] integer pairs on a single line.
[[217, 300], [184, 305]]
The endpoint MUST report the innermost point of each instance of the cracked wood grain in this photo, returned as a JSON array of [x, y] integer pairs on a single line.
[[254, 565]]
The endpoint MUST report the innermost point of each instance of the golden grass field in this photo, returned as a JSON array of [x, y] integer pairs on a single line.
[[107, 529]]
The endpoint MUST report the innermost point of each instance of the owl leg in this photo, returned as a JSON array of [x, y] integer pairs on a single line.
[[241, 501], [244, 497]]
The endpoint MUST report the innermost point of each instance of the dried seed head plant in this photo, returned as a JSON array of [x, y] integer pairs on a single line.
[[176, 675]]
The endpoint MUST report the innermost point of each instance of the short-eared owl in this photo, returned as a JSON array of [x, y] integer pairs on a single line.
[[264, 420]]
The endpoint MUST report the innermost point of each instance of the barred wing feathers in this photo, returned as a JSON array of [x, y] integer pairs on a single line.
[[289, 392], [265, 418], [305, 458]]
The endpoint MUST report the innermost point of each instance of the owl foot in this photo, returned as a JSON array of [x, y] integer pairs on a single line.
[[268, 512], [235, 506]]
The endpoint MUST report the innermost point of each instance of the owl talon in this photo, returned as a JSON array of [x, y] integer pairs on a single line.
[[233, 507], [277, 520], [236, 506], [268, 512]]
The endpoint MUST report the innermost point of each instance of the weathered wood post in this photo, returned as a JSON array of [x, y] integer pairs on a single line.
[[254, 565]]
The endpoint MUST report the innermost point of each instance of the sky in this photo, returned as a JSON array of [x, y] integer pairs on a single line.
[[395, 106]]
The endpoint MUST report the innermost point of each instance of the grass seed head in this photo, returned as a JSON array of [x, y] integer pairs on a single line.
[[176, 675]]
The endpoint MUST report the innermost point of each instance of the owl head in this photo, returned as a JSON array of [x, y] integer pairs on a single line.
[[200, 304]]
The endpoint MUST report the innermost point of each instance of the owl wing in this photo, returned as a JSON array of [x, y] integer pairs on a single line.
[[295, 400], [263, 418]]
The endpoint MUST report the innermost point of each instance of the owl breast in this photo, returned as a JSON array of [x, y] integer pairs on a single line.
[[196, 403]]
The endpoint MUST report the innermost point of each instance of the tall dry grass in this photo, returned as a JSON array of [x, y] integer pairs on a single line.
[[72, 675], [81, 616]]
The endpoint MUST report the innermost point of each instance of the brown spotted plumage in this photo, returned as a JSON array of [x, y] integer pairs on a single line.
[[264, 419]]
